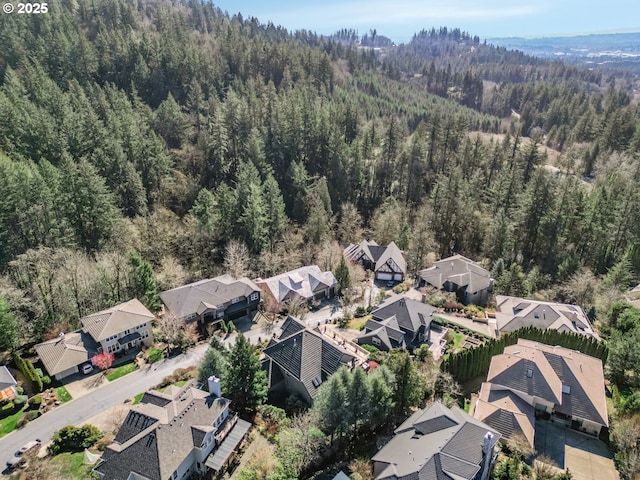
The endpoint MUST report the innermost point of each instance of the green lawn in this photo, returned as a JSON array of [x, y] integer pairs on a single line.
[[137, 398], [177, 384], [121, 371], [358, 323], [72, 466], [63, 394], [8, 424]]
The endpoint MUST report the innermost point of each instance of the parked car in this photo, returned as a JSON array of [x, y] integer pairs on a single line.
[[87, 368], [18, 460], [390, 283]]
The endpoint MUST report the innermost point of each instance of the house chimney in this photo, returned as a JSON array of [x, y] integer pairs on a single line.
[[214, 386], [486, 443]]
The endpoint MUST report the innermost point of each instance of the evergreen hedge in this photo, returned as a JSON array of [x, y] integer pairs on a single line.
[[29, 371], [472, 363]]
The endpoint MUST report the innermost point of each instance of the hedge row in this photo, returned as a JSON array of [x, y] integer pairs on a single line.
[[472, 363], [29, 372]]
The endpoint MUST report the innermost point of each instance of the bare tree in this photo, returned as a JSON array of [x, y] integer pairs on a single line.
[[171, 273], [236, 259]]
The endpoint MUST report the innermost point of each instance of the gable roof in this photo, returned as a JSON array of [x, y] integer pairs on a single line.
[[435, 443], [514, 313], [505, 412], [410, 315], [306, 355], [304, 281], [580, 374], [66, 351], [186, 300], [115, 320], [153, 440], [388, 331], [376, 254], [6, 379], [459, 270]]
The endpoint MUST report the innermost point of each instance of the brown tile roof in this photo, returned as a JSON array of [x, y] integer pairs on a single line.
[[505, 412], [573, 381], [115, 320], [66, 351]]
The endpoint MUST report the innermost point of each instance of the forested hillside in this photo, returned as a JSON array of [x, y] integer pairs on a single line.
[[160, 139]]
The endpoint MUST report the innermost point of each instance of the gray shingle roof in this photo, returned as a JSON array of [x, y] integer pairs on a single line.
[[66, 351], [115, 320], [410, 315], [185, 300], [305, 354], [451, 448], [514, 313], [154, 440], [376, 254]]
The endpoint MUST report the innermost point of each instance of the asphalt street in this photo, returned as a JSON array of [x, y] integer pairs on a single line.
[[110, 394]]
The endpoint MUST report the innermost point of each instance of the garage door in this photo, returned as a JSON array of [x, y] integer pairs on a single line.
[[384, 276], [397, 277]]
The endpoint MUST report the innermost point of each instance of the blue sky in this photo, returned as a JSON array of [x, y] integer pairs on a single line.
[[399, 20]]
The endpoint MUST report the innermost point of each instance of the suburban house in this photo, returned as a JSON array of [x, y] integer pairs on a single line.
[[437, 443], [115, 330], [174, 434], [305, 283], [8, 384], [63, 355], [533, 380], [398, 322], [387, 263], [471, 283], [122, 327], [300, 360], [513, 313], [213, 300]]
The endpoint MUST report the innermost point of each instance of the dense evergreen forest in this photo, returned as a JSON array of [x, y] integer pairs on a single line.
[[161, 139]]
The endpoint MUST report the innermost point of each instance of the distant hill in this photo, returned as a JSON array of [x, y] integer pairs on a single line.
[[619, 50]]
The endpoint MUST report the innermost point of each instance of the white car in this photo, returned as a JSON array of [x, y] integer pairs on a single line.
[[87, 368], [18, 459]]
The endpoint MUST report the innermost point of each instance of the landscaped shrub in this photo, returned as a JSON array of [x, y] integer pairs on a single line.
[[46, 380], [74, 439], [7, 409], [20, 400], [19, 390], [370, 348], [400, 288], [155, 355], [360, 311], [27, 417]]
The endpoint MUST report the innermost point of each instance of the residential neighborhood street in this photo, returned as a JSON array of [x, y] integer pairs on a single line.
[[110, 394]]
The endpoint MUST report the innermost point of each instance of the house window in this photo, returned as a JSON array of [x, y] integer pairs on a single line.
[[529, 373], [235, 300], [375, 340], [536, 315], [566, 389], [254, 296], [220, 314], [316, 381]]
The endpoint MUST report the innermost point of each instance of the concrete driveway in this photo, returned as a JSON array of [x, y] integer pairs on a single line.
[[586, 457]]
